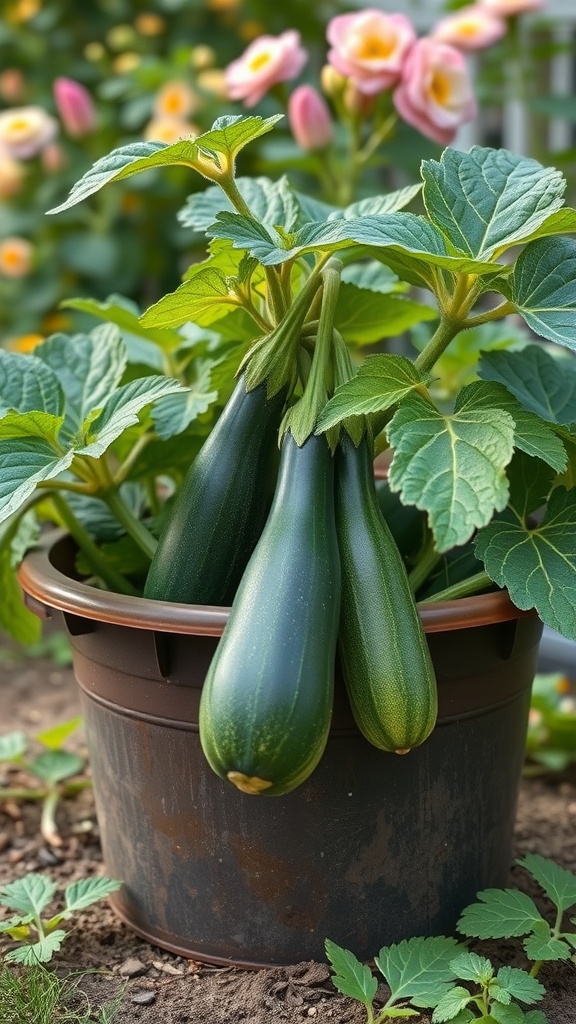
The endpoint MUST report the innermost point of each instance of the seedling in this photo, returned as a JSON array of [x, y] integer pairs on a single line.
[[503, 913], [494, 998], [40, 937], [551, 743], [55, 768]]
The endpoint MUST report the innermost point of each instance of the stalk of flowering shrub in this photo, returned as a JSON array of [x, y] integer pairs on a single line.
[[75, 107]]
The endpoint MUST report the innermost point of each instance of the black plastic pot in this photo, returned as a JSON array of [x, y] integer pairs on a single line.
[[373, 848]]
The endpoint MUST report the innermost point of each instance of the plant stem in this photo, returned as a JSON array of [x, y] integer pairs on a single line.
[[428, 560], [48, 827], [133, 526], [445, 332], [464, 588], [111, 577], [504, 309], [135, 452], [13, 793]]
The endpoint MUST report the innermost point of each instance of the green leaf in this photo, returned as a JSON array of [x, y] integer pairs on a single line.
[[471, 967], [451, 1004], [351, 977], [56, 765], [418, 969], [364, 316], [16, 535], [271, 202], [509, 1013], [203, 299], [500, 914], [535, 1017], [54, 738], [520, 984], [530, 484], [16, 927], [375, 206], [118, 310], [121, 411], [451, 466], [207, 154], [43, 425], [544, 384], [538, 948], [87, 891], [23, 464], [27, 385], [558, 883], [487, 200], [531, 435], [313, 210], [541, 287], [12, 745], [381, 381], [536, 564], [172, 414], [372, 276], [28, 895], [499, 994], [38, 953]]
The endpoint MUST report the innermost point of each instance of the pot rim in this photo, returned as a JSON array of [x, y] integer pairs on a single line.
[[47, 588]]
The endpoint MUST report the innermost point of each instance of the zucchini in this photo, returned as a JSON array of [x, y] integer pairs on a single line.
[[383, 650], [266, 703], [221, 508]]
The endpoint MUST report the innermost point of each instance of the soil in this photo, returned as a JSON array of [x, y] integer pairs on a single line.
[[159, 988]]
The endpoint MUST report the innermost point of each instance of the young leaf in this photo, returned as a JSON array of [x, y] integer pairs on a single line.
[[12, 746], [88, 367], [364, 317], [56, 765], [500, 914], [24, 462], [381, 381], [418, 969], [471, 967], [28, 895], [17, 534], [451, 466], [39, 952], [499, 994], [535, 1017], [118, 310], [451, 1004], [537, 564], [352, 978], [520, 984], [121, 411], [43, 425], [53, 738], [539, 948], [487, 200], [204, 299], [271, 202], [558, 883], [542, 383], [541, 287], [87, 891], [509, 1013], [375, 206], [27, 385]]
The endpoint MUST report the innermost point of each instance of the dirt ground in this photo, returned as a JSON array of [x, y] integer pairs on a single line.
[[160, 987]]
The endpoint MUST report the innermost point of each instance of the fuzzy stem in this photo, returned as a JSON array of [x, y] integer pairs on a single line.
[[111, 577], [133, 526], [462, 589], [445, 333], [428, 560], [48, 827]]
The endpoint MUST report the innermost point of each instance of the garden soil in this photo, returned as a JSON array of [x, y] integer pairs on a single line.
[[159, 987]]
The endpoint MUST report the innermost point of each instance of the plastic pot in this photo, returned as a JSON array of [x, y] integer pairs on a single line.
[[373, 848]]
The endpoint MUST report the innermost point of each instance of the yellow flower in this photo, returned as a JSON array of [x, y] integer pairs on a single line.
[[23, 10], [175, 100], [94, 51], [25, 342], [120, 36], [169, 130], [15, 257], [202, 57], [126, 62], [214, 82], [150, 24]]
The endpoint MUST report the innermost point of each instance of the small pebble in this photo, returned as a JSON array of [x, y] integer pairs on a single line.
[[48, 858], [311, 1011], [132, 968], [144, 998], [166, 968]]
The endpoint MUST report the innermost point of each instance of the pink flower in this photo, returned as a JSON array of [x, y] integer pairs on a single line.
[[470, 28], [25, 131], [75, 106], [369, 47], [309, 118], [435, 93], [506, 8], [267, 61]]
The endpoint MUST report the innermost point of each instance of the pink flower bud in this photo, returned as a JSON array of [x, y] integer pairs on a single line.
[[267, 61], [435, 93], [75, 106], [470, 28], [369, 47], [309, 118]]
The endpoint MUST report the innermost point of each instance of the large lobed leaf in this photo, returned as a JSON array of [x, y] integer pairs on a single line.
[[542, 288], [418, 969], [543, 384]]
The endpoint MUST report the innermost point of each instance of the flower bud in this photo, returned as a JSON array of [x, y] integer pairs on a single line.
[[75, 107], [357, 103], [332, 82], [309, 118]]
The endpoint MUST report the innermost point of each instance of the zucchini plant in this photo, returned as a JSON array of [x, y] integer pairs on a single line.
[[154, 437]]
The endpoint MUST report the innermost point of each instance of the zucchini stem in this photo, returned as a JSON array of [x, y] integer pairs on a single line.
[[100, 566], [480, 581]]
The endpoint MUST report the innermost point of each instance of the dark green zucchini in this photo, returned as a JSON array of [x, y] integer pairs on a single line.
[[221, 508], [383, 650], [267, 700]]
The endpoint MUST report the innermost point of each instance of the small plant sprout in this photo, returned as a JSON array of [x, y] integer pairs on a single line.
[[55, 768], [417, 971], [503, 913], [39, 937], [494, 998]]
